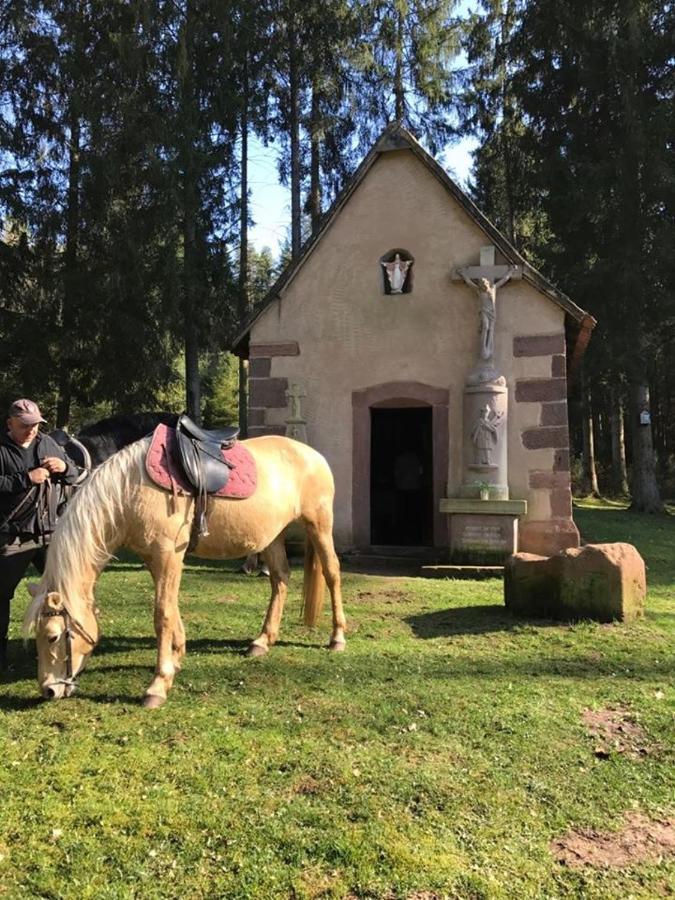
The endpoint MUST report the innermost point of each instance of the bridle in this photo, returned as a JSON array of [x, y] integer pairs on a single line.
[[69, 621]]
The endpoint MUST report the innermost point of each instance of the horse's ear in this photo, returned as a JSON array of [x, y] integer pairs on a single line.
[[33, 589], [53, 600]]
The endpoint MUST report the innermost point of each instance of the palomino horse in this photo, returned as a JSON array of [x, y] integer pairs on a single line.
[[120, 506]]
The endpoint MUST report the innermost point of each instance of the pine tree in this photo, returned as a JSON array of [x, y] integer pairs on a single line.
[[406, 53], [502, 183], [595, 87]]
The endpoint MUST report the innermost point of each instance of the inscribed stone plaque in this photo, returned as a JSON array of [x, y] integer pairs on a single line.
[[483, 534]]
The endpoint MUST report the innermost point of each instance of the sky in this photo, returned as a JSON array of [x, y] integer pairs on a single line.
[[271, 204]]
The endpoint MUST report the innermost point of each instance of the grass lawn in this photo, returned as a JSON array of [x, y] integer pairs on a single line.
[[437, 757]]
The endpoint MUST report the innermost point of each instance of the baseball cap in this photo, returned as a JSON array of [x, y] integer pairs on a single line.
[[26, 411]]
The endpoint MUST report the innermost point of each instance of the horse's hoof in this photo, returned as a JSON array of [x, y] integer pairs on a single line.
[[337, 646], [153, 701], [256, 650]]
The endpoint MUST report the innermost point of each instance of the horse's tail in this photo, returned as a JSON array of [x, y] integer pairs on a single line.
[[313, 586]]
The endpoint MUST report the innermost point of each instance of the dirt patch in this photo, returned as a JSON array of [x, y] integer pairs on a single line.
[[615, 730], [388, 595], [390, 895], [422, 895], [307, 786], [640, 840], [227, 598]]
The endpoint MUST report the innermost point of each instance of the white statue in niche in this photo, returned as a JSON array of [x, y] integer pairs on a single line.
[[484, 434], [487, 293], [397, 271]]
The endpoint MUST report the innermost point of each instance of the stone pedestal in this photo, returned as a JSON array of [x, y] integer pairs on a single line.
[[483, 531], [485, 438]]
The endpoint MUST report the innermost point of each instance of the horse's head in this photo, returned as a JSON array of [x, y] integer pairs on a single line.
[[64, 642]]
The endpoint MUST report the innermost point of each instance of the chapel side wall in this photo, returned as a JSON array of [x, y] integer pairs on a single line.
[[336, 333], [539, 401]]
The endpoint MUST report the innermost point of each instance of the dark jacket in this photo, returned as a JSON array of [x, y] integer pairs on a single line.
[[37, 515]]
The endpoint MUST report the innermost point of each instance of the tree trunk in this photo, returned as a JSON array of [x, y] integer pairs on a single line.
[[243, 398], [243, 304], [192, 382], [70, 280], [190, 210], [645, 496], [294, 125], [506, 130], [399, 90], [589, 473], [619, 471], [315, 162]]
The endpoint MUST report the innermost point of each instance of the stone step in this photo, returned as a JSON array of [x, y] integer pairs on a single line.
[[383, 563]]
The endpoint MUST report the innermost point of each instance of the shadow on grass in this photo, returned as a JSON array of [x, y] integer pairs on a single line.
[[125, 561], [20, 704], [23, 658], [471, 620], [129, 644], [114, 700], [14, 704], [216, 567]]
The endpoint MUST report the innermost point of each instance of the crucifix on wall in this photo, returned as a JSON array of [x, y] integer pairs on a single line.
[[486, 279], [296, 427]]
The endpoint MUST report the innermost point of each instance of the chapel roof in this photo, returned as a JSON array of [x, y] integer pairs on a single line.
[[578, 323]]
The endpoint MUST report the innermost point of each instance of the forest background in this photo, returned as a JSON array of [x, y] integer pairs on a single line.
[[125, 262]]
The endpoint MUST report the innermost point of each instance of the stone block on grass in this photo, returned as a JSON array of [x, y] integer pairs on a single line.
[[605, 582]]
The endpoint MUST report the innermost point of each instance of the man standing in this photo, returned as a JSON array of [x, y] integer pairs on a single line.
[[32, 466]]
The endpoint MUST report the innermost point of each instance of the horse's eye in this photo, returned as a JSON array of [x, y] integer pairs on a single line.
[[53, 638]]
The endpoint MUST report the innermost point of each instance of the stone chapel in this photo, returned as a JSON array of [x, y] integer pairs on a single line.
[[414, 347]]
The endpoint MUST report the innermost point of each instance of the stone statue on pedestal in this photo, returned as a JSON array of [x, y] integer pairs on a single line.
[[484, 434]]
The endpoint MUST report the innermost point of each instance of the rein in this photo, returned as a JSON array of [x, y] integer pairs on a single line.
[[69, 621]]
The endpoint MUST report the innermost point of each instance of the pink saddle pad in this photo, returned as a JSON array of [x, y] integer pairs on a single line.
[[160, 466]]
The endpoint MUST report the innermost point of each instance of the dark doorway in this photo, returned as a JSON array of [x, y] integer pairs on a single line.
[[401, 477]]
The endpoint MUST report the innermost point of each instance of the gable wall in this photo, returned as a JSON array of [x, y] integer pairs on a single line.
[[349, 336]]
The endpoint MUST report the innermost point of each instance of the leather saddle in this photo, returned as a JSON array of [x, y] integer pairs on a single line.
[[199, 454]]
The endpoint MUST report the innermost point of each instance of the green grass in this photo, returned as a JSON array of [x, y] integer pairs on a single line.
[[441, 753]]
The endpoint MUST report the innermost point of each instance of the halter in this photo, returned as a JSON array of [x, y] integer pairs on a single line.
[[69, 621]]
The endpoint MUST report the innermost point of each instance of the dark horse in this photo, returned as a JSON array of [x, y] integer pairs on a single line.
[[106, 437]]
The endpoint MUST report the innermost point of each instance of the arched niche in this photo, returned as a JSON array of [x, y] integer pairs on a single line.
[[397, 267]]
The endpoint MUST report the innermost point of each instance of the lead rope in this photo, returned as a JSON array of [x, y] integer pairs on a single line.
[[42, 510]]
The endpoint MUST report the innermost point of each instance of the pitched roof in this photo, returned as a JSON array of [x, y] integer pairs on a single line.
[[579, 323]]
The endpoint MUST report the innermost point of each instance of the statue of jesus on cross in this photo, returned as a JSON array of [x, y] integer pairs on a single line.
[[487, 293]]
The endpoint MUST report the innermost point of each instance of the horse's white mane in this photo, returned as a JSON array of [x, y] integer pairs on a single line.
[[88, 529]]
